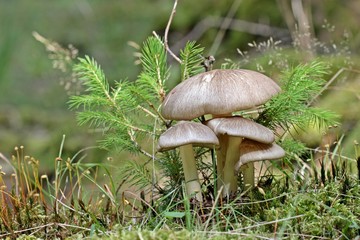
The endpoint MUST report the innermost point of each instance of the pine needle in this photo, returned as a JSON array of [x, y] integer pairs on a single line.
[[290, 108], [191, 59]]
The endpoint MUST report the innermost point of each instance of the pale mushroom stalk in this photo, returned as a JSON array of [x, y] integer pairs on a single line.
[[220, 159], [248, 171], [221, 153], [192, 183], [232, 157]]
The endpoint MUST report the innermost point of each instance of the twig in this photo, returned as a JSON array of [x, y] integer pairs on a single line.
[[13, 168], [153, 177], [27, 229], [222, 233], [136, 197], [213, 207], [167, 33], [304, 236], [326, 86], [147, 111], [68, 207], [270, 222], [252, 236], [317, 150], [224, 26], [132, 138], [238, 25], [65, 225]]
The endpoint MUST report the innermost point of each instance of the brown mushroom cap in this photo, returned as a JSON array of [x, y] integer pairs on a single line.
[[218, 92], [185, 132], [252, 151], [241, 127]]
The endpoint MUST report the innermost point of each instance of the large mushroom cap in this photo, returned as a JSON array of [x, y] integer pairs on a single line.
[[218, 92], [184, 133], [252, 151], [241, 127]]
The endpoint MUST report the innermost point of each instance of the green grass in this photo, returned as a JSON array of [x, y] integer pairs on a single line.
[[75, 203]]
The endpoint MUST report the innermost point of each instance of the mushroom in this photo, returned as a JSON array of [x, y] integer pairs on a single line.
[[218, 92], [233, 130], [252, 151], [185, 135]]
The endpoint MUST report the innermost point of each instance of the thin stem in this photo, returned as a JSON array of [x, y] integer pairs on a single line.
[[167, 33], [153, 176], [152, 107], [147, 111], [224, 26], [133, 128], [232, 157], [218, 194], [236, 25], [133, 139], [326, 86], [14, 170], [190, 171]]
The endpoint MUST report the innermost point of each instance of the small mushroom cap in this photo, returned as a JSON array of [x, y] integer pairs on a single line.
[[252, 151], [185, 132], [241, 127], [218, 92]]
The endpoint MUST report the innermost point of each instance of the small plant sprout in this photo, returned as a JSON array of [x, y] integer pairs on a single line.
[[185, 135]]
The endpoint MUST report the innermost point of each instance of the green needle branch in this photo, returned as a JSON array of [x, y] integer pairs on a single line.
[[291, 107], [116, 109]]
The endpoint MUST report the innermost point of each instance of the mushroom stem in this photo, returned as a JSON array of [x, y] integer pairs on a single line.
[[192, 183], [229, 172], [248, 172], [220, 159]]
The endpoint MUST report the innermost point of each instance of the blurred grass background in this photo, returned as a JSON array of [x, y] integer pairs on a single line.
[[33, 109]]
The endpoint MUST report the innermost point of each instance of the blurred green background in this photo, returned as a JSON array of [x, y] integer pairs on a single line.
[[33, 108]]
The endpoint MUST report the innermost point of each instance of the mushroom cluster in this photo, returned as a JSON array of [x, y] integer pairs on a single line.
[[219, 94]]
